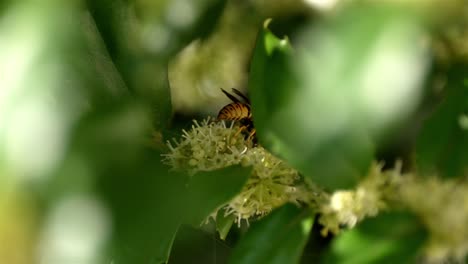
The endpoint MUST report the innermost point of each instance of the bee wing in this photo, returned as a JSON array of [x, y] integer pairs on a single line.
[[230, 96], [239, 93]]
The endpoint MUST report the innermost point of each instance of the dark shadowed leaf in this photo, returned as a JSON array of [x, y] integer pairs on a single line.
[[388, 238], [137, 44], [193, 245], [224, 223], [442, 146], [206, 191], [113, 18], [108, 154], [147, 203], [278, 238]]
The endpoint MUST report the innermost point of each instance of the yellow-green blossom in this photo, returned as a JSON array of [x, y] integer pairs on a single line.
[[208, 146], [348, 207], [442, 206], [214, 145]]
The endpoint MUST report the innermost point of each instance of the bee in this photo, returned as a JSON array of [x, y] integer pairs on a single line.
[[238, 110]]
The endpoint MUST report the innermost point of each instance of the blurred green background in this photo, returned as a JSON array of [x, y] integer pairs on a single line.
[[90, 91]]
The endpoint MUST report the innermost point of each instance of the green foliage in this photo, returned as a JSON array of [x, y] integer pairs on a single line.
[[322, 106], [278, 238], [147, 216], [223, 223], [442, 146], [389, 238], [150, 216], [209, 190], [85, 104], [143, 71]]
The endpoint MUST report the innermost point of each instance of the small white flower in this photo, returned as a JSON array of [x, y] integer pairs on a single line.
[[347, 208]]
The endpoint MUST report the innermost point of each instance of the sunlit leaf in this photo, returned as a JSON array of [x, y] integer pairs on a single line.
[[279, 238], [41, 90], [388, 238], [323, 106]]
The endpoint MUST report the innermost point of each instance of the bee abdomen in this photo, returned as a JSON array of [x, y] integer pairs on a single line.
[[234, 111]]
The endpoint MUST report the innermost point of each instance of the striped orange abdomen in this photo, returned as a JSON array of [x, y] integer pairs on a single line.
[[234, 111]]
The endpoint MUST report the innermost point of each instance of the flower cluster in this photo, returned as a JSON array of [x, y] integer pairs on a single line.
[[347, 208], [443, 208], [441, 205], [212, 145], [208, 146]]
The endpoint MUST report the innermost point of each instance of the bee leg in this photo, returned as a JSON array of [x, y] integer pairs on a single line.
[[252, 134], [242, 128]]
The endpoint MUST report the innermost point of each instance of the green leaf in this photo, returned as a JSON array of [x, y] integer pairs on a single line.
[[210, 12], [113, 19], [147, 204], [157, 202], [323, 105], [194, 245], [388, 238], [442, 146], [207, 191], [224, 223], [278, 238], [138, 40]]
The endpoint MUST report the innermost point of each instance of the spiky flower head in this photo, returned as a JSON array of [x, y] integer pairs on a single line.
[[442, 205], [212, 145]]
